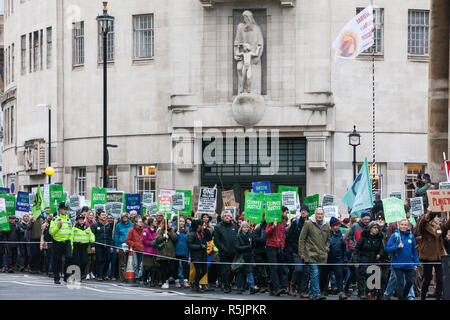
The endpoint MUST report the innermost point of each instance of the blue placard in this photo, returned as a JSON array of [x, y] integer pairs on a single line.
[[133, 202], [23, 202], [4, 190], [261, 187]]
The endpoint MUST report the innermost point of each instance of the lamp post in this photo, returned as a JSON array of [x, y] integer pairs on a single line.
[[49, 171], [354, 139], [106, 22]]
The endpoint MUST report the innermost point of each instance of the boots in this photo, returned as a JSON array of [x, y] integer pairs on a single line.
[[292, 291], [342, 296]]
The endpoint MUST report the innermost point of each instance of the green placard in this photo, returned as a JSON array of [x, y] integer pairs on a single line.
[[56, 195], [4, 223], [394, 210], [312, 202], [187, 202], [273, 206], [254, 210], [98, 196], [10, 203]]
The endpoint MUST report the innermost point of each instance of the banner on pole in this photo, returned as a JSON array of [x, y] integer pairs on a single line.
[[356, 37], [273, 206], [98, 196], [165, 204], [10, 203], [56, 196], [394, 210], [187, 210], [4, 223], [178, 201], [312, 202], [22, 204], [133, 203], [261, 187]]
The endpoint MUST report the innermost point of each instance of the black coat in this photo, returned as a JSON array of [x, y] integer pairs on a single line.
[[244, 246], [368, 247], [12, 235], [103, 233], [197, 245], [294, 233], [259, 239], [224, 236], [24, 235]]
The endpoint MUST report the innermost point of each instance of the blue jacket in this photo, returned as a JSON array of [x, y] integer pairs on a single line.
[[181, 248], [407, 254], [121, 232], [337, 253]]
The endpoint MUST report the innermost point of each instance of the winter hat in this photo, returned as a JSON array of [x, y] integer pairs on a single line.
[[426, 176], [334, 221], [346, 220], [372, 224], [304, 207], [244, 224], [365, 213]]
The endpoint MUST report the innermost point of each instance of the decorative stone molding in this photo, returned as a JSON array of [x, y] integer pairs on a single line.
[[209, 4], [35, 156], [9, 95], [316, 151]]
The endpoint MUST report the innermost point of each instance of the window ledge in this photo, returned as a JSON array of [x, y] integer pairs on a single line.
[[369, 56], [108, 63], [78, 66], [142, 61], [418, 58]]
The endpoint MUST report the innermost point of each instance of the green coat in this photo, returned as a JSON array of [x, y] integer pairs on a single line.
[[169, 246], [422, 192], [314, 243]]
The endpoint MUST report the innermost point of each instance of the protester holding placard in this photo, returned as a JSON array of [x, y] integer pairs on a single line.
[[275, 233], [224, 234], [259, 253], [120, 236], [405, 259], [166, 236], [431, 249], [299, 280]]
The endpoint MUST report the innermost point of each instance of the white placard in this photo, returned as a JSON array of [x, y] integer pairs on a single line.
[[328, 200], [396, 194], [289, 200], [416, 206], [330, 211], [444, 185], [207, 201]]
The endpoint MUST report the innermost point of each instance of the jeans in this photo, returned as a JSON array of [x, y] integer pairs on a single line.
[[137, 261], [113, 268], [392, 284], [313, 270], [240, 280], [122, 264], [405, 281], [183, 269]]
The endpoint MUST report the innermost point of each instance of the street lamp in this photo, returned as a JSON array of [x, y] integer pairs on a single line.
[[49, 171], [354, 139], [106, 22]]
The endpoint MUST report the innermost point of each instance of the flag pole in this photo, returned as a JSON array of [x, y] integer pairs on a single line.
[[373, 104], [446, 167]]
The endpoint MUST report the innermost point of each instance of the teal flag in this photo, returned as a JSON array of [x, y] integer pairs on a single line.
[[359, 196]]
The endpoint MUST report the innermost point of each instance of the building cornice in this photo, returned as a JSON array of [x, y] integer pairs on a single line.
[[209, 4]]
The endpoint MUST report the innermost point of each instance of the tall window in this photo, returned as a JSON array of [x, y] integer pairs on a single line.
[[41, 48], [411, 175], [378, 187], [81, 181], [23, 54], [36, 51], [112, 177], [377, 47], [49, 47], [109, 43], [11, 135], [13, 58], [418, 32], [143, 36], [30, 46], [6, 65], [146, 179], [78, 43]]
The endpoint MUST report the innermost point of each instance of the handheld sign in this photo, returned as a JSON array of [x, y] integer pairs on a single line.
[[10, 203], [254, 207], [330, 211], [232, 209], [416, 207], [289, 199], [444, 185], [98, 196], [56, 196], [147, 197], [328, 200], [187, 209], [133, 203], [273, 206], [439, 200], [22, 204], [396, 194], [207, 201], [4, 223], [165, 204], [178, 201], [312, 202], [116, 209], [394, 210], [261, 187]]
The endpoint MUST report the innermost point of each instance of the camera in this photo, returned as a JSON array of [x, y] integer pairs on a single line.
[[418, 181]]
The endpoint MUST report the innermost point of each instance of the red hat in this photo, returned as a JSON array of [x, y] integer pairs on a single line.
[[346, 220], [241, 218]]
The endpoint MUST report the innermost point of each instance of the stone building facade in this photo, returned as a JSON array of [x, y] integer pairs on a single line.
[[172, 81]]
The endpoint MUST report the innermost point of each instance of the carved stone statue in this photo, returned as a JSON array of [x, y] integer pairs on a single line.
[[248, 49]]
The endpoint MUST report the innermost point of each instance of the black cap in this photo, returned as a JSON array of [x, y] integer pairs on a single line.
[[79, 216], [62, 205]]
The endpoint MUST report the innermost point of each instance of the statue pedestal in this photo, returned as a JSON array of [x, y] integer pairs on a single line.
[[248, 109]]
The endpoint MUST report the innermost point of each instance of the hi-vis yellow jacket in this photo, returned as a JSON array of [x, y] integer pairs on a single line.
[[65, 232]]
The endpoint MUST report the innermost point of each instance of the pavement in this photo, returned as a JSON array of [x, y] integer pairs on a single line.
[[24, 286]]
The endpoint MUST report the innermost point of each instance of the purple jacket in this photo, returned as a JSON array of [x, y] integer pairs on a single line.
[[147, 238]]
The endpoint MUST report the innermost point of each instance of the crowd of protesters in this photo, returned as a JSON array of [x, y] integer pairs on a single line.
[[300, 256]]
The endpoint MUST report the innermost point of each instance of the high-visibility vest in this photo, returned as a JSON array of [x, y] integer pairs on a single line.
[[65, 232], [82, 236]]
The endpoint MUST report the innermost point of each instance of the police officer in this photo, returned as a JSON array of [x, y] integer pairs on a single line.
[[61, 231], [81, 237]]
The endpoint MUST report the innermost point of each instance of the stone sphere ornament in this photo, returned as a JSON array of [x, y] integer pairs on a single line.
[[248, 109], [49, 171]]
